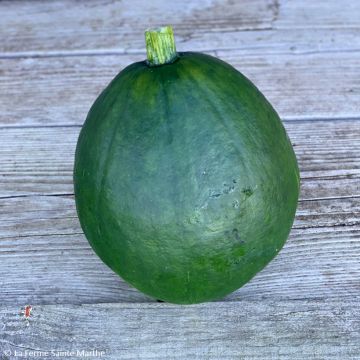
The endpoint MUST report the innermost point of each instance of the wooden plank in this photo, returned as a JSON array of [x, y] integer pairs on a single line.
[[239, 330], [39, 222], [119, 24], [59, 91], [308, 14], [303, 56], [291, 41], [40, 28], [305, 86], [250, 42], [44, 258], [39, 161], [51, 26], [284, 63]]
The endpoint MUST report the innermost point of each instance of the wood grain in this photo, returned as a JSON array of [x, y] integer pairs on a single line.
[[45, 259], [39, 222], [39, 161], [60, 90], [55, 58], [328, 14], [239, 330], [43, 28], [52, 77]]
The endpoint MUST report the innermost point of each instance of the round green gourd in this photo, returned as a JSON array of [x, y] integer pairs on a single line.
[[186, 183]]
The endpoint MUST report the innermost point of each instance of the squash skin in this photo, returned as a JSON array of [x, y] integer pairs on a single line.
[[186, 183]]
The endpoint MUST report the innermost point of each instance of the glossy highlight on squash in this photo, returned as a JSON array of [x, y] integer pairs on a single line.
[[186, 183]]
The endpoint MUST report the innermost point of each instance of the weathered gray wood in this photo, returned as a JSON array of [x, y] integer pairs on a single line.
[[39, 222], [283, 62], [309, 15], [37, 161], [44, 258], [67, 25], [41, 28], [60, 91], [239, 330], [288, 61], [56, 57]]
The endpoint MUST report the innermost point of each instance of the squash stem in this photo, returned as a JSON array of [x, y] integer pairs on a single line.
[[160, 46]]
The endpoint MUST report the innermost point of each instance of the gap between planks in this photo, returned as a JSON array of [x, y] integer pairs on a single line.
[[105, 52]]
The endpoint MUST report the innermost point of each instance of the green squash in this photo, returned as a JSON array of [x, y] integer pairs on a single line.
[[186, 183]]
